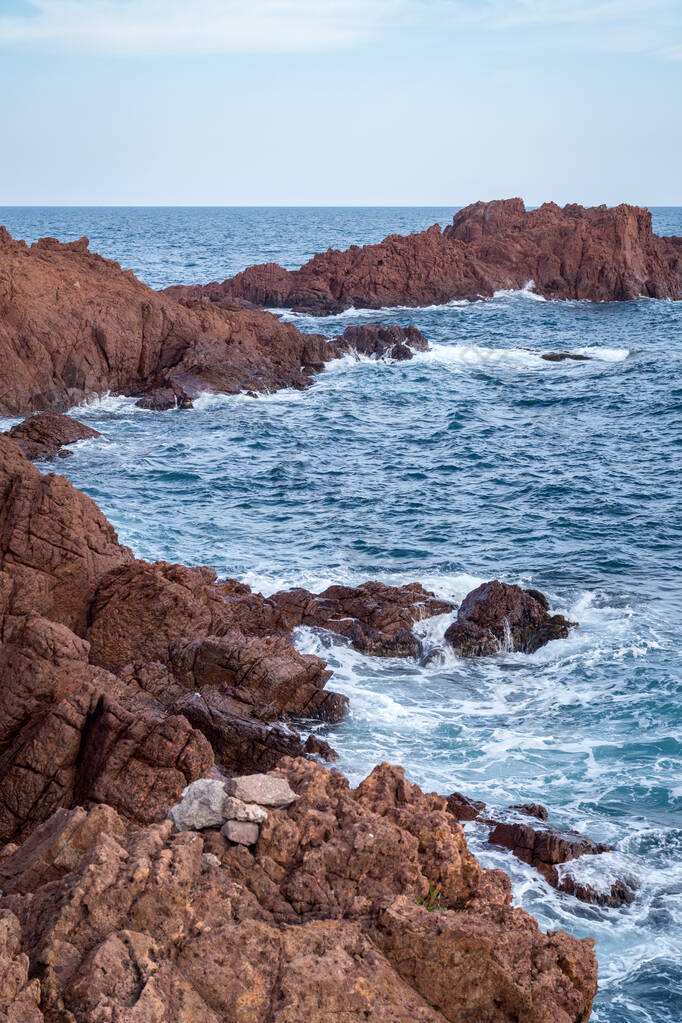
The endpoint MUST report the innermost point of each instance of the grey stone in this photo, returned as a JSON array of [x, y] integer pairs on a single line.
[[236, 810], [202, 806], [264, 789], [241, 832], [209, 862]]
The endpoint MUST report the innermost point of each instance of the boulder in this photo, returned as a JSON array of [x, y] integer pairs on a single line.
[[202, 806], [496, 617], [264, 789], [43, 435], [236, 810], [240, 832]]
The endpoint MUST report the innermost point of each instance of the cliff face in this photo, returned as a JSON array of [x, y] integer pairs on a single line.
[[122, 682], [598, 254]]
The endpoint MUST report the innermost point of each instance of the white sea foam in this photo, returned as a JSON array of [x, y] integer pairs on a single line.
[[604, 354], [352, 313], [604, 870], [527, 291]]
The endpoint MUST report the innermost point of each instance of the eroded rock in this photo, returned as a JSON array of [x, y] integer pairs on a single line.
[[43, 435], [598, 254], [496, 616]]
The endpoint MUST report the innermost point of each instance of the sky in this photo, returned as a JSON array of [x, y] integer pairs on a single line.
[[345, 102]]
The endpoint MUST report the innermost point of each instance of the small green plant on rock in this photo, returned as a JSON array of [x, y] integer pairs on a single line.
[[431, 901]]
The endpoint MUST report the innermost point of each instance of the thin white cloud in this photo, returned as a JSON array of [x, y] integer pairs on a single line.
[[173, 27], [651, 27], [196, 27]]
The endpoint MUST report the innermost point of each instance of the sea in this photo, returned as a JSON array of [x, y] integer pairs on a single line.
[[473, 461]]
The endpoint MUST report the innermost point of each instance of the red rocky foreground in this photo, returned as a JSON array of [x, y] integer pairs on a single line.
[[599, 254], [74, 325], [125, 682]]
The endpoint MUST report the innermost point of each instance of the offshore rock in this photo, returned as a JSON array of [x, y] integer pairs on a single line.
[[380, 342], [377, 619], [599, 254], [496, 616], [543, 846], [43, 436]]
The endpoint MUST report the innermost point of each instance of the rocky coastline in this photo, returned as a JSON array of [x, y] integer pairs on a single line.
[[172, 845], [599, 254]]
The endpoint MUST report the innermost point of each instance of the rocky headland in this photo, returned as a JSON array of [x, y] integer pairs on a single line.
[[600, 254], [75, 326], [132, 691]]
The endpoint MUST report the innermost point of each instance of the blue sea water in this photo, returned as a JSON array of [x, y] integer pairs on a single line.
[[473, 461]]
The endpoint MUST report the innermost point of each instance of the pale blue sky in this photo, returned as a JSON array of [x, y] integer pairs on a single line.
[[351, 102]]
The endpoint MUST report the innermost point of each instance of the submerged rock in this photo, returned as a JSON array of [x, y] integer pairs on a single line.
[[561, 356], [43, 435], [496, 616], [380, 342]]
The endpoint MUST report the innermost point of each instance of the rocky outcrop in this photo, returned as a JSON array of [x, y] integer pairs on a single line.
[[544, 847], [380, 342], [599, 254], [74, 326], [121, 678], [322, 918], [43, 436], [496, 616], [377, 619], [130, 690]]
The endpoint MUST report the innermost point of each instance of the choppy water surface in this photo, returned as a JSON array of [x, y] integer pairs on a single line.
[[473, 461]]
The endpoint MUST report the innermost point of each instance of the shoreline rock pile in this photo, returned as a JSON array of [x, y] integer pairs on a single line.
[[133, 690], [543, 846]]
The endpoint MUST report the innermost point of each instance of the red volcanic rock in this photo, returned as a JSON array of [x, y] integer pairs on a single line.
[[122, 682], [62, 740], [74, 325], [55, 543], [376, 618], [543, 847], [43, 435], [496, 616], [117, 923], [599, 254], [373, 339]]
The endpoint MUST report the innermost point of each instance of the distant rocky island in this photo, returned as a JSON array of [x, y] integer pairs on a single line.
[[600, 254]]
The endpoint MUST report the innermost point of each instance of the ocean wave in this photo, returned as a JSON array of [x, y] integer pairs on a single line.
[[527, 291], [353, 312]]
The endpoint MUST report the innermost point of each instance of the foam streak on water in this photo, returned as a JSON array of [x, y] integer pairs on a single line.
[[475, 460]]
